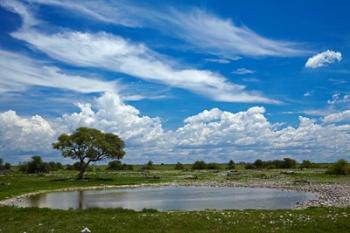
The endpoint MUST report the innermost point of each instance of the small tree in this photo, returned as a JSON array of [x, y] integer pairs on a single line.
[[341, 167], [36, 165], [179, 166], [148, 166], [231, 164], [115, 165], [89, 145], [199, 164], [7, 166], [306, 164], [259, 164], [213, 166]]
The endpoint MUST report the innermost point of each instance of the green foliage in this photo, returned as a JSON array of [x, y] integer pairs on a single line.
[[213, 166], [259, 164], [179, 166], [286, 163], [148, 166], [36, 165], [231, 165], [199, 165], [6, 166], [306, 164], [320, 220], [116, 165], [341, 167], [53, 166], [89, 145]]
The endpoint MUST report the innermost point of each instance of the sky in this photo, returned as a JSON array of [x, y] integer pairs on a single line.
[[177, 80]]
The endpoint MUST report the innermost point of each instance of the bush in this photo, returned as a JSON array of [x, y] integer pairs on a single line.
[[306, 164], [286, 163], [213, 166], [231, 165], [199, 165], [117, 165], [148, 166], [53, 166], [259, 164], [341, 167], [5, 166], [249, 166], [36, 165], [179, 166]]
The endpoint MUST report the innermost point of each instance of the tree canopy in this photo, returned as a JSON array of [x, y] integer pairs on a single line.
[[89, 145]]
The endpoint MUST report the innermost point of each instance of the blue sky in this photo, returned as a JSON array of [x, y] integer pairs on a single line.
[[178, 80]]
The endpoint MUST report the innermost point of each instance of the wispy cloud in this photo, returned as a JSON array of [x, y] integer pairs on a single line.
[[19, 72], [111, 52], [243, 71], [115, 12], [323, 59], [204, 31], [223, 37]]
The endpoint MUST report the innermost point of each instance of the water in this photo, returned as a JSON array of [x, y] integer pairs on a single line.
[[170, 198]]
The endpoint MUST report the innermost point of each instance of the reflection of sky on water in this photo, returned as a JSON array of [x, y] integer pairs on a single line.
[[170, 198]]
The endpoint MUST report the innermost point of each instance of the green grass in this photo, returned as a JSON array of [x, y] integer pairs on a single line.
[[116, 220]]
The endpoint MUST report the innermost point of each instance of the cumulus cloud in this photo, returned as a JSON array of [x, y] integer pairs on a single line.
[[214, 135], [323, 59], [20, 134], [19, 72]]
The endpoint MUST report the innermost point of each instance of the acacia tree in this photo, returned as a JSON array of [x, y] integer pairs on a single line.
[[89, 145]]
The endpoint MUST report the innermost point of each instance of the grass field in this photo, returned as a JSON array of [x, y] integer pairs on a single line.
[[116, 220]]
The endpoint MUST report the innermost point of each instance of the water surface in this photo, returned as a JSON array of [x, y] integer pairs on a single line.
[[170, 198]]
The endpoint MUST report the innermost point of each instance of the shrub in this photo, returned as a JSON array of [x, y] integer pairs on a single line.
[[231, 165], [148, 166], [199, 165], [179, 166], [7, 166], [285, 163], [53, 166], [259, 164], [306, 164], [3, 166], [249, 166], [341, 167], [213, 166], [117, 165], [36, 165]]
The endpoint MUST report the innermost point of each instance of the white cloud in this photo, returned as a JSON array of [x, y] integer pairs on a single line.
[[213, 135], [222, 37], [337, 117], [323, 59], [308, 93], [19, 72], [204, 31], [115, 12], [243, 71], [18, 134], [339, 98], [107, 51]]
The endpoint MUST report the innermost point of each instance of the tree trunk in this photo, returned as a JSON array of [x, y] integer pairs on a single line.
[[83, 167]]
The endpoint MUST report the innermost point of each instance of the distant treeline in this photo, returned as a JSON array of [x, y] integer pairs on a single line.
[[37, 165]]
